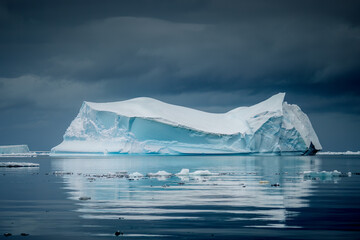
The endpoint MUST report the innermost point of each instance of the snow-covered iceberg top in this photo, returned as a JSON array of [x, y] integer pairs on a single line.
[[149, 126]]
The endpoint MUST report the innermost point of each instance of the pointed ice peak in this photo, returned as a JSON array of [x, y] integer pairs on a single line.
[[272, 104], [274, 100]]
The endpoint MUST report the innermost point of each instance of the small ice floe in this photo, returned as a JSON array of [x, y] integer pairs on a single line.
[[136, 175], [186, 172], [183, 175], [159, 174], [13, 155], [183, 172], [323, 175], [84, 198], [18, 164]]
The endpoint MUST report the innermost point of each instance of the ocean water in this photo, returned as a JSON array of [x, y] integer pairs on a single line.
[[244, 197]]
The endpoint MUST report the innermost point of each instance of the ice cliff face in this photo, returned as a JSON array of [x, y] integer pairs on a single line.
[[149, 126]]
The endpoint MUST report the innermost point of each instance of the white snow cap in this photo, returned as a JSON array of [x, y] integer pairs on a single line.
[[232, 122]]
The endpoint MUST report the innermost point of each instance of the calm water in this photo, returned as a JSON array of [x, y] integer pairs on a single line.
[[237, 202]]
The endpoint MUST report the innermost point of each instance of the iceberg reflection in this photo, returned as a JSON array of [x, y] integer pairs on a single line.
[[252, 191]]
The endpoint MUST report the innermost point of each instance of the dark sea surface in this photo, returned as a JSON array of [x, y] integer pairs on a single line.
[[245, 197]]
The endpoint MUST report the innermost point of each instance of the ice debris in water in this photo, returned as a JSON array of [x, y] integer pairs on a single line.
[[185, 172], [18, 164], [202, 173], [159, 174], [325, 174], [136, 175]]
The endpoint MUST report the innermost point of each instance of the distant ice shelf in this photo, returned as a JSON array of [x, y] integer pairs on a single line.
[[14, 149], [18, 164], [20, 151], [340, 153], [149, 126]]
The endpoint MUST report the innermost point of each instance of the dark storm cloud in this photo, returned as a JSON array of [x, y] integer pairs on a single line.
[[212, 55]]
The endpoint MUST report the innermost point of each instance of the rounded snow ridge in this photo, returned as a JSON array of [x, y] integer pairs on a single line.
[[232, 122], [138, 100]]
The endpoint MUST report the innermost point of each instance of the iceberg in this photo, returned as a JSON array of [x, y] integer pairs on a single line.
[[149, 126], [14, 149]]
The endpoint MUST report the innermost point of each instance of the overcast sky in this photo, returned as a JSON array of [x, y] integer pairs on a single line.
[[209, 55]]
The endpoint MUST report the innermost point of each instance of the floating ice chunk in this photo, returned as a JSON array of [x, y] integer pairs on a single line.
[[183, 172], [323, 175], [14, 149], [334, 173], [136, 175], [159, 174], [186, 172], [18, 164], [202, 173]]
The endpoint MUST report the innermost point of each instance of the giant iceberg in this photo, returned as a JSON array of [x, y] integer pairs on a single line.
[[149, 126]]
